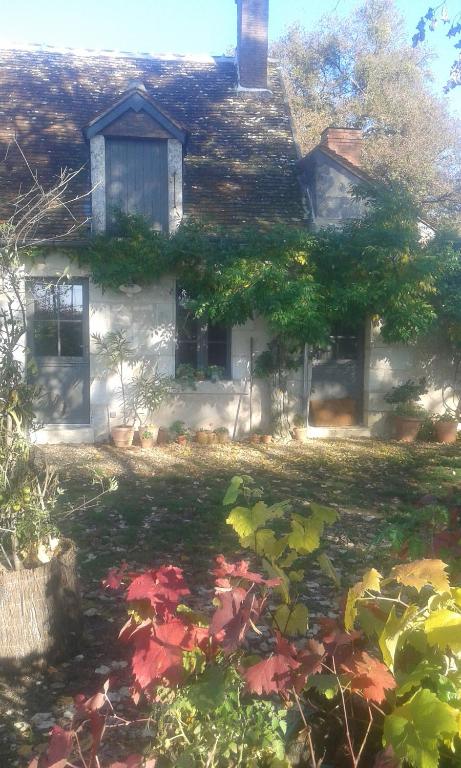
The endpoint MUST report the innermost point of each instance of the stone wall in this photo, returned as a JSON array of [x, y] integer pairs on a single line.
[[149, 320]]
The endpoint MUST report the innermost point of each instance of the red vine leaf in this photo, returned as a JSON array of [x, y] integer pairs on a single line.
[[240, 570], [370, 677], [134, 761], [59, 748], [387, 759], [158, 653], [115, 577], [275, 674], [231, 620], [163, 588]]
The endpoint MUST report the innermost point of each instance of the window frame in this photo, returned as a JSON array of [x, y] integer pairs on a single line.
[[31, 319], [202, 344]]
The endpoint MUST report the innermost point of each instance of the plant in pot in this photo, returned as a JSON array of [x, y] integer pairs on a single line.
[[446, 427], [180, 432], [215, 373], [299, 428], [202, 436], [200, 374], [255, 436], [146, 392], [222, 435], [408, 413], [116, 356], [146, 436]]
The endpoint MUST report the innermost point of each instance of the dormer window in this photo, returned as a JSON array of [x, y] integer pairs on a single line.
[[136, 162]]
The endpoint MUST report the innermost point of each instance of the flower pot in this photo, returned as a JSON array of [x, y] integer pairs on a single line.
[[446, 431], [300, 434], [266, 439], [41, 611], [255, 439], [406, 428], [163, 436], [181, 439], [122, 436], [222, 438], [202, 437], [147, 442]]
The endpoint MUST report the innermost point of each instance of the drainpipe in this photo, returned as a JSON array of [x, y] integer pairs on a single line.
[[307, 383], [251, 382]]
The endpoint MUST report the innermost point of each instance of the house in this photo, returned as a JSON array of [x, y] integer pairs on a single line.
[[172, 137]]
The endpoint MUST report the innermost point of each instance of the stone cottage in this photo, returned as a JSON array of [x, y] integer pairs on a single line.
[[170, 137]]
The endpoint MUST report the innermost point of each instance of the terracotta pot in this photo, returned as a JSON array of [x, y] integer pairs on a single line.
[[163, 436], [446, 431], [147, 442], [202, 437], [255, 439], [406, 428], [122, 436], [266, 439], [222, 438], [300, 434], [181, 439]]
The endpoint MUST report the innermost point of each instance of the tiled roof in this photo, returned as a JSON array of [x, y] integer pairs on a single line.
[[241, 158]]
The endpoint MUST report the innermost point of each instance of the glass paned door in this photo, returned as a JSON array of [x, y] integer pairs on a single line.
[[58, 343]]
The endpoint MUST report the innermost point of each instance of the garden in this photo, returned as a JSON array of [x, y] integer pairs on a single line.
[[200, 601]]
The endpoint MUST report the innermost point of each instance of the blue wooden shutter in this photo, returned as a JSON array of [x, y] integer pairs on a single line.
[[137, 179]]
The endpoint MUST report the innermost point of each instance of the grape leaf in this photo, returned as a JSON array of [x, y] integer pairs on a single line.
[[231, 620], [233, 490], [326, 514], [163, 588], [306, 531], [240, 571], [370, 582], [328, 569], [369, 676], [59, 748], [392, 632], [158, 653], [419, 573], [247, 520], [326, 685], [443, 628], [274, 674], [387, 759], [414, 729], [291, 620], [115, 577], [209, 692]]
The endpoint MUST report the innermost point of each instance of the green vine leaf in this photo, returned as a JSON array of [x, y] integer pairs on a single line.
[[393, 631], [415, 729], [420, 573], [370, 582], [443, 628], [291, 621]]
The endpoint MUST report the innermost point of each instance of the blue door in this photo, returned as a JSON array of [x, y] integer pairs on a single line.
[[58, 349]]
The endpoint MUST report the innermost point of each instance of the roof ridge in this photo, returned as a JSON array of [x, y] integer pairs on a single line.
[[199, 58]]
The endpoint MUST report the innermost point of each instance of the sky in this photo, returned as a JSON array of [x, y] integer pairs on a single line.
[[183, 26]]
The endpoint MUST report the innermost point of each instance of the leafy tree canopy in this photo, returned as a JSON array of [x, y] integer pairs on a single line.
[[361, 71]]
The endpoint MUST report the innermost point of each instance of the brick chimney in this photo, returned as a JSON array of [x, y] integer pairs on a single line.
[[346, 142], [252, 42]]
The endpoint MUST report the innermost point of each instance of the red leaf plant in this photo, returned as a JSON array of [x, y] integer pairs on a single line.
[[369, 676]]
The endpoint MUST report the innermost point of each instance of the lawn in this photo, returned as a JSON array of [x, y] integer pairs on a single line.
[[168, 508]]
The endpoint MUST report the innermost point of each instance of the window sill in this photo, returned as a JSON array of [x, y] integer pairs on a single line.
[[229, 388]]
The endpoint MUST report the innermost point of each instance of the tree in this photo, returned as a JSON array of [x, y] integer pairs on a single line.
[[360, 71], [451, 24]]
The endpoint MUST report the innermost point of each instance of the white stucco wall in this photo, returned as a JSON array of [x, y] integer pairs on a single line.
[[149, 321], [388, 365]]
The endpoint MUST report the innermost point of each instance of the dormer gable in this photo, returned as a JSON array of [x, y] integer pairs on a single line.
[[137, 152], [135, 114]]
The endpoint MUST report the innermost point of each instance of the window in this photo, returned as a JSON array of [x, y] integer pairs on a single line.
[[198, 343], [56, 319]]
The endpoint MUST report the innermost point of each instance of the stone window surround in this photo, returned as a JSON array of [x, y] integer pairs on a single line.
[[98, 183]]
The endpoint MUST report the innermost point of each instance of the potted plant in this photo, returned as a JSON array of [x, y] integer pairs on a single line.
[[179, 430], [266, 439], [408, 413], [222, 434], [215, 373], [299, 428], [446, 427], [202, 436], [255, 436], [146, 437], [200, 374], [117, 355]]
